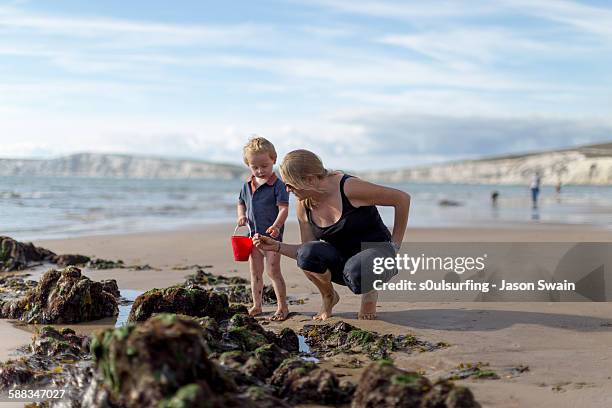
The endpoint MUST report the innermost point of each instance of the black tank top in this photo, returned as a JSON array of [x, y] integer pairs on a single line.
[[356, 225]]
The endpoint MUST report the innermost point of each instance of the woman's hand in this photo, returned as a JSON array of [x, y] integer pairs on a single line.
[[265, 243]]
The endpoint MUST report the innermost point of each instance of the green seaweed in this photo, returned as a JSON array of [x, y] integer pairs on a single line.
[[406, 379], [186, 396]]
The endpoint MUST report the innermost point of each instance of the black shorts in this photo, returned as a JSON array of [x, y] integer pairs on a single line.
[[356, 272]]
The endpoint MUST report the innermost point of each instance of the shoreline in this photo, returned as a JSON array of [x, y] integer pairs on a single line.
[[504, 335]]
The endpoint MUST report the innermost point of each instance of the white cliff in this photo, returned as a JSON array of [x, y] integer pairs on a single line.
[[587, 165], [119, 166]]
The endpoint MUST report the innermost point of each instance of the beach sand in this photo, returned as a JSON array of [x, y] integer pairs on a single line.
[[567, 346]]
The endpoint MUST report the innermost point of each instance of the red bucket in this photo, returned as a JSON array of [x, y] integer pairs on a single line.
[[242, 246]]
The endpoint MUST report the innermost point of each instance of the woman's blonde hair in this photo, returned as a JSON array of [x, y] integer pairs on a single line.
[[298, 166], [258, 144]]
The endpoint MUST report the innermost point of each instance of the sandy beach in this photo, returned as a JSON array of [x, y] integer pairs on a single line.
[[565, 345]]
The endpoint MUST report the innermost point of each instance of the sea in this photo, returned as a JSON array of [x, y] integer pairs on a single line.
[[33, 208]]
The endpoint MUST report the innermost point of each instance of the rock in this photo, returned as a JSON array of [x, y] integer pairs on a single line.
[[202, 277], [269, 296], [299, 382], [186, 300], [162, 362], [266, 359], [16, 255], [14, 373], [461, 397], [14, 286], [239, 293], [384, 385], [64, 343], [62, 296], [68, 260], [110, 286], [288, 340], [105, 264], [244, 333], [263, 399], [341, 337]]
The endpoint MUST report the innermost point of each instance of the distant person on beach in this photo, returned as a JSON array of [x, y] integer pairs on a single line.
[[494, 197], [535, 189], [337, 213], [263, 204]]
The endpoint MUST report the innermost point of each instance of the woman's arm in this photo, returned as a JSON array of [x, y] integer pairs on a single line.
[[361, 193], [290, 250]]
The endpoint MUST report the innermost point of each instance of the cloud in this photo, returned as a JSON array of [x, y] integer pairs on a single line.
[[369, 84], [471, 136]]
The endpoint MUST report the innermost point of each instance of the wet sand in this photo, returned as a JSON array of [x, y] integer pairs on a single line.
[[566, 345]]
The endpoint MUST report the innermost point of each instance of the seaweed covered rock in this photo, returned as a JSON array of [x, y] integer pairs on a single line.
[[162, 362], [299, 381], [105, 264], [384, 385], [333, 338], [16, 255], [287, 339], [244, 333], [110, 285], [62, 296], [202, 277], [70, 260], [52, 358], [186, 300], [15, 372], [64, 343], [14, 286]]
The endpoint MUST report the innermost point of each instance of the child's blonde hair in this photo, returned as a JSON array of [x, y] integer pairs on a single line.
[[297, 166], [258, 145]]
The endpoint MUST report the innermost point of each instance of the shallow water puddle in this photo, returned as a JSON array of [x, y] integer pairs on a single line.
[[128, 296], [304, 350]]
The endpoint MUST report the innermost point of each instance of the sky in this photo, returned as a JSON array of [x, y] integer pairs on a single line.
[[369, 84]]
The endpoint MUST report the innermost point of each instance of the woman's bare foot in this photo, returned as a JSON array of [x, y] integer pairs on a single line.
[[328, 304], [255, 310], [280, 314], [368, 306]]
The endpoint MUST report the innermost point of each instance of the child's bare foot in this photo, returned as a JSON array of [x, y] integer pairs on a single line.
[[280, 314], [255, 310], [326, 308], [368, 306]]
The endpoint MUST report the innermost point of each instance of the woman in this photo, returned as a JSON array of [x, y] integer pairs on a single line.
[[336, 214]]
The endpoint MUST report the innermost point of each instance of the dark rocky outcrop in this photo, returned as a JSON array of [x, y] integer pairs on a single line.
[[299, 381], [187, 300], [202, 277], [65, 343], [110, 286], [62, 296], [70, 260], [341, 337], [15, 256], [384, 385], [162, 362]]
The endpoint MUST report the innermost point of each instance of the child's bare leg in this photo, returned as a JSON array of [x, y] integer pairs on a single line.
[[256, 264], [280, 289]]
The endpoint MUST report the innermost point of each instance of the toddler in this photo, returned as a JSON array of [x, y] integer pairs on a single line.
[[263, 204]]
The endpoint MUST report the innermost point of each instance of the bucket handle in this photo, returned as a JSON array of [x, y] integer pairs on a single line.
[[238, 226]]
